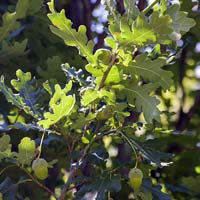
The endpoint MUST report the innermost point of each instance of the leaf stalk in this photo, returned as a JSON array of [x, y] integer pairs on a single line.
[[129, 142], [148, 8]]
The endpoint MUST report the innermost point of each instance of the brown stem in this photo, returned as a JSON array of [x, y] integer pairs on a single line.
[[112, 62], [147, 9], [65, 190], [38, 183], [66, 187], [31, 177], [8, 167]]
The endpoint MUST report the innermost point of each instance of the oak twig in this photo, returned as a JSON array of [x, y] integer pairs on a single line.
[[148, 8], [114, 56]]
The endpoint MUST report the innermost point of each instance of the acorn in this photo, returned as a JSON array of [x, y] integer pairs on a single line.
[[135, 178], [40, 168]]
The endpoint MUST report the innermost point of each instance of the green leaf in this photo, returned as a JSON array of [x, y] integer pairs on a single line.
[[10, 51], [111, 7], [74, 74], [181, 23], [62, 28], [53, 70], [151, 70], [192, 183], [90, 95], [26, 150], [34, 6], [138, 96], [97, 188], [29, 92], [154, 190], [21, 9], [145, 195], [23, 78], [28, 96], [10, 96], [96, 71], [144, 31], [49, 86], [115, 75], [10, 22], [4, 142], [79, 120], [60, 104], [155, 157], [110, 42], [131, 10]]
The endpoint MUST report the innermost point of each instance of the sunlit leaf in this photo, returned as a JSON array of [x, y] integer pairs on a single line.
[[142, 32], [151, 70], [62, 28], [139, 96], [181, 22], [61, 105]]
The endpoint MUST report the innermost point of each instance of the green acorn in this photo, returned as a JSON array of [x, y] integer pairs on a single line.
[[135, 178], [40, 168]]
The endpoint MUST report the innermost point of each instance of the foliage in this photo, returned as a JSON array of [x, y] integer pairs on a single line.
[[85, 116]]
